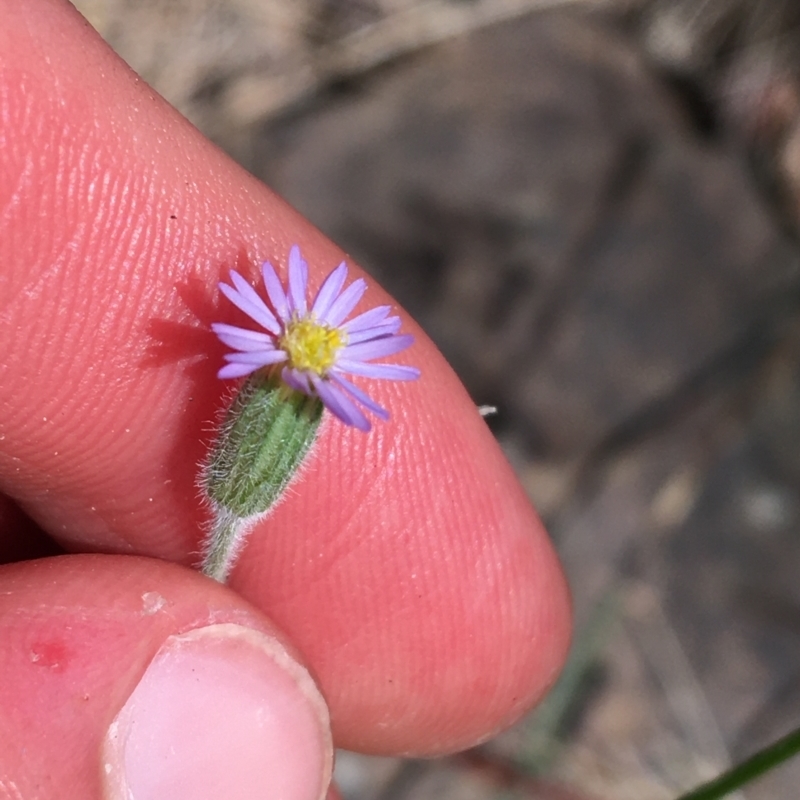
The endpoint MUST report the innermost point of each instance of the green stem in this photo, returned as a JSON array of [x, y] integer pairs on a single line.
[[759, 763], [267, 433], [224, 540]]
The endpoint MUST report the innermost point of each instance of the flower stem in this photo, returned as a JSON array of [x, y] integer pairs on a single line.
[[759, 763], [223, 543], [267, 433]]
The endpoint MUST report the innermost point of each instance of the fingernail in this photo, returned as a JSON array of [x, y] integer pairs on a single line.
[[221, 711]]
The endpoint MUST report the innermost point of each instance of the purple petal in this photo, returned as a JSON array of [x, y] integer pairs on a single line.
[[241, 338], [392, 372], [374, 316], [252, 296], [296, 380], [345, 303], [259, 359], [236, 370], [340, 404], [377, 348], [250, 303], [298, 281], [246, 333], [329, 291], [275, 292], [388, 328], [362, 398]]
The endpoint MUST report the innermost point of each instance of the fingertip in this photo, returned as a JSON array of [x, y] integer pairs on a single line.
[[221, 711], [153, 681]]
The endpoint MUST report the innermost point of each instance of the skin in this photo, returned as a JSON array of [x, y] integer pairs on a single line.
[[405, 569]]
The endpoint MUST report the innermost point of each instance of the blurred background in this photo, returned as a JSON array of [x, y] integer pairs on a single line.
[[592, 207]]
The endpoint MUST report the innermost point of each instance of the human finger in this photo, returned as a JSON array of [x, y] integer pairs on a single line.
[[129, 677], [406, 564]]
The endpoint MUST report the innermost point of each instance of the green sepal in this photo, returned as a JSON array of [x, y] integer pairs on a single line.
[[267, 433]]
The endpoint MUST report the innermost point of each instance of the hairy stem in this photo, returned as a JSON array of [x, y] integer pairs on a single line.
[[223, 544]]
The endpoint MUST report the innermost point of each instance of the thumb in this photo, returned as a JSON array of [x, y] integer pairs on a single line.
[[126, 677]]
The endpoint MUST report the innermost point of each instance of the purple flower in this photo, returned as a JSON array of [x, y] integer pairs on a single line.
[[315, 345]]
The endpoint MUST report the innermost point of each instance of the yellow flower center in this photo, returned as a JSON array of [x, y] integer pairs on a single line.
[[311, 346]]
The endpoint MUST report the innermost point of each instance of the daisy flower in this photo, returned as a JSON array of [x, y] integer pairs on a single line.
[[314, 345]]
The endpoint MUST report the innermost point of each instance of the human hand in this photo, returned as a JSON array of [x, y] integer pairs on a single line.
[[405, 570]]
